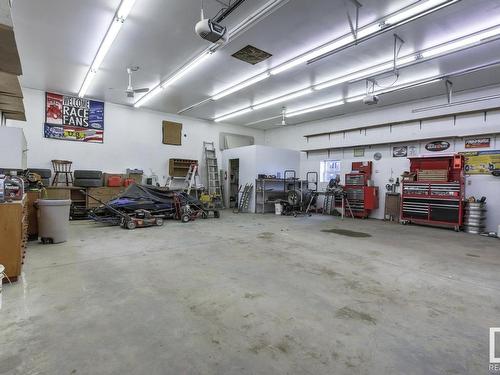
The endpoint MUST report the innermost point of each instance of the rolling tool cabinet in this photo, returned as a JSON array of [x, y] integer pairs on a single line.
[[362, 197], [434, 192]]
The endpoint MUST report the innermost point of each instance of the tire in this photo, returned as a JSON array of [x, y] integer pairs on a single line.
[[185, 218], [43, 173], [217, 214], [131, 225], [88, 182], [84, 174], [159, 221]]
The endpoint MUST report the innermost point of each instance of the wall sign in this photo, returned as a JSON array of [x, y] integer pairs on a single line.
[[477, 143], [73, 119], [481, 162], [400, 151], [359, 152], [437, 146], [412, 150]]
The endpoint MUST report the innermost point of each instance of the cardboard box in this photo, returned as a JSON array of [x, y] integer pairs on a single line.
[[104, 194], [136, 177]]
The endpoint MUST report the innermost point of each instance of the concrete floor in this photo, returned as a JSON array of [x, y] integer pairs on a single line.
[[254, 294]]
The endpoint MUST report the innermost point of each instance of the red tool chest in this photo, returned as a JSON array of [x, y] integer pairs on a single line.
[[433, 193], [361, 197]]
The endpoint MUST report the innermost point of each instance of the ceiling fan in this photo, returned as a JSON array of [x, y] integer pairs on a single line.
[[130, 91]]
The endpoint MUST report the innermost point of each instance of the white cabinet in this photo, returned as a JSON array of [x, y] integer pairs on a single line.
[[13, 148]]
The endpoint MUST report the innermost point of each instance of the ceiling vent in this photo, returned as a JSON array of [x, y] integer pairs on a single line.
[[251, 55]]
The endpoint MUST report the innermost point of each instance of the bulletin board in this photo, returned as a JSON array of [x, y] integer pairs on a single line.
[[172, 133]]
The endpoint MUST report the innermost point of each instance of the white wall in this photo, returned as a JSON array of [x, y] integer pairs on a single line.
[[255, 160], [408, 134], [132, 139], [12, 148]]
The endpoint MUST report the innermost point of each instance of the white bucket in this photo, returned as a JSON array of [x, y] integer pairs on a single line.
[[278, 208], [2, 269]]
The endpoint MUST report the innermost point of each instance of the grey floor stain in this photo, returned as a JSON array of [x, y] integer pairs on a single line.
[[348, 313], [266, 235], [10, 363], [348, 233], [252, 295]]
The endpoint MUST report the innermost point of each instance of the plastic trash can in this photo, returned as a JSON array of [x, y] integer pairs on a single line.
[[53, 220]]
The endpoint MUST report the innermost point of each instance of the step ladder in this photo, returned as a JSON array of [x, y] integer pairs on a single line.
[[245, 198], [214, 187], [190, 179]]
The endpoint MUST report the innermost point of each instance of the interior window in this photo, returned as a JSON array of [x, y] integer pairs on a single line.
[[329, 169]]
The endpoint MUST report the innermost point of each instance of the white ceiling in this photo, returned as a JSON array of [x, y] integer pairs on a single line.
[[58, 39]]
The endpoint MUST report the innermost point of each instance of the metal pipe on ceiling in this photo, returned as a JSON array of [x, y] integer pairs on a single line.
[[226, 12]]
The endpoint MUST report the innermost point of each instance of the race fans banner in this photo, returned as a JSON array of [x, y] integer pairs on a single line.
[[73, 119]]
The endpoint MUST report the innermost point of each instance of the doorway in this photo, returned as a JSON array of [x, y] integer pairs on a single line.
[[234, 181]]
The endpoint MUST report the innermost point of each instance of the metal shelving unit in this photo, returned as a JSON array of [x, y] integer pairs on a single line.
[[269, 191]]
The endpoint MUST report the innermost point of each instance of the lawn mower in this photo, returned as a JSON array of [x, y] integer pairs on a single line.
[[140, 218]]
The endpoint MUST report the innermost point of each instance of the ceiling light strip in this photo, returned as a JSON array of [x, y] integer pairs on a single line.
[[400, 17], [249, 21], [357, 98], [114, 28], [316, 108], [405, 86], [412, 13], [456, 45]]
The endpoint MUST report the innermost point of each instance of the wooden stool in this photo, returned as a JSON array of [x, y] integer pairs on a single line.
[[62, 167]]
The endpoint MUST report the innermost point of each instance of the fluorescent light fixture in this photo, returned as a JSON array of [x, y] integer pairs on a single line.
[[336, 44], [252, 19], [316, 108], [170, 81], [416, 83], [404, 15], [369, 30], [406, 60], [409, 84], [108, 40], [355, 99], [461, 43], [186, 69], [234, 114], [359, 98], [86, 83], [283, 98], [368, 72], [148, 96], [418, 10], [125, 8], [240, 86], [121, 14]]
